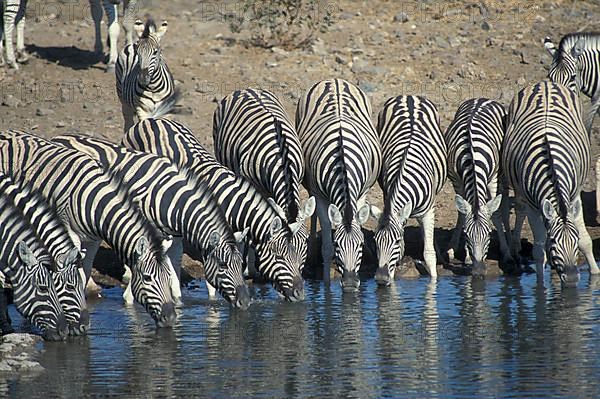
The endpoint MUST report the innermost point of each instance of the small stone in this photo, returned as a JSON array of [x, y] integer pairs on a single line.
[[279, 51], [368, 87], [521, 81], [401, 17], [485, 25], [11, 101], [186, 62], [318, 47], [454, 42], [271, 64], [61, 124], [340, 60], [43, 112]]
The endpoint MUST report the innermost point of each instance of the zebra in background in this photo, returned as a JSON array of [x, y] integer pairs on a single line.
[[243, 205], [474, 140], [254, 137], [178, 205], [94, 208], [576, 64], [13, 14], [413, 173], [145, 86], [27, 264], [342, 158], [69, 277], [546, 157]]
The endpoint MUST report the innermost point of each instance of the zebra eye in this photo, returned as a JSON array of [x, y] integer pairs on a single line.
[[71, 286], [147, 278]]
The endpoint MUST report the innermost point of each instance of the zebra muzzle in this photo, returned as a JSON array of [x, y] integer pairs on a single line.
[[60, 332], [167, 315], [383, 276], [569, 277], [296, 292], [242, 297], [350, 282]]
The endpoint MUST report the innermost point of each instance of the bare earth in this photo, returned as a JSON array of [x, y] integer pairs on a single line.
[[448, 51]]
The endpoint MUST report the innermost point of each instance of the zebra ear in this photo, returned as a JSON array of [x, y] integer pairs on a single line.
[[405, 212], [276, 225], [577, 49], [241, 235], [548, 210], [26, 256], [550, 48], [162, 30], [462, 205], [142, 246], [376, 212], [167, 242], [363, 214], [309, 208], [278, 209], [494, 204], [214, 238], [138, 27], [335, 216], [576, 208], [71, 256]]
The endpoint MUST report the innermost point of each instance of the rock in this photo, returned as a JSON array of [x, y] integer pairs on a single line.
[[485, 25], [11, 101], [340, 60], [43, 112], [521, 81], [401, 17], [407, 269], [346, 15], [186, 62], [318, 47], [454, 42], [279, 51], [61, 124], [368, 87]]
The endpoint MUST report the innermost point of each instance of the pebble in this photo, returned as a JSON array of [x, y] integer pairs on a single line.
[[11, 101], [401, 17], [485, 25], [340, 60], [45, 111], [61, 124]]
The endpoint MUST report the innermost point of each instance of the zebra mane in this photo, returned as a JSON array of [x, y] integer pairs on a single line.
[[346, 187], [149, 27], [591, 40], [292, 205], [477, 104]]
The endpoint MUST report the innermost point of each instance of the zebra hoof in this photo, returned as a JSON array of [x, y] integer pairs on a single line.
[[110, 68], [13, 65], [22, 57]]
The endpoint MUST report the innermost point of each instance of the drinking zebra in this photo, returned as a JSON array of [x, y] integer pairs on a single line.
[[95, 208], [413, 172], [178, 205], [145, 85], [69, 277], [254, 137], [13, 14], [474, 140], [546, 156], [26, 262], [243, 205], [342, 157]]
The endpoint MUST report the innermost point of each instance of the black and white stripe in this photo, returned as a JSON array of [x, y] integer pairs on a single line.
[[474, 140], [413, 172], [243, 205], [178, 205], [13, 14], [342, 157], [95, 208], [27, 263], [546, 156], [145, 85], [254, 137], [69, 277]]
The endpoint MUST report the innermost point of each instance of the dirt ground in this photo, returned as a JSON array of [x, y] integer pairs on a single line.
[[448, 51]]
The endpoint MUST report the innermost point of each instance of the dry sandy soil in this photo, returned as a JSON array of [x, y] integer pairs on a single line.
[[448, 51]]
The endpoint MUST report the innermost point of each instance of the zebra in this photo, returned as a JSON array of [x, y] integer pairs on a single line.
[[413, 173], [145, 86], [254, 137], [342, 157], [474, 140], [69, 278], [95, 208], [243, 205], [178, 205], [576, 64], [26, 262], [546, 156], [13, 15]]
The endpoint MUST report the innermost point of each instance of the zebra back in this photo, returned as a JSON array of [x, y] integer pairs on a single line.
[[414, 154], [254, 137], [342, 153], [474, 141]]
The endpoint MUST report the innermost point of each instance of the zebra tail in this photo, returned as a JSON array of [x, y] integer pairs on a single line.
[[166, 106]]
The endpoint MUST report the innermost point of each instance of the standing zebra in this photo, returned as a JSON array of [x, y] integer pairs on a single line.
[[546, 157], [243, 205], [27, 263], [69, 277], [178, 205], [254, 137], [144, 83], [413, 172], [94, 208], [342, 158], [13, 14], [474, 140]]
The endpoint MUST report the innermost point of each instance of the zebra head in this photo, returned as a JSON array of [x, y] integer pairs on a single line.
[[562, 241], [69, 280], [348, 240], [35, 295], [478, 228], [150, 282], [565, 64], [224, 269], [148, 49], [278, 264], [389, 239]]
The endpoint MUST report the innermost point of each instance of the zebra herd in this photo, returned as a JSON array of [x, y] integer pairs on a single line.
[[160, 193]]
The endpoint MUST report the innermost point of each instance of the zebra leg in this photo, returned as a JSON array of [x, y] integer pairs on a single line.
[[585, 243], [539, 241], [9, 24], [455, 240], [212, 291], [175, 252], [520, 214], [5, 323], [589, 117], [91, 248], [113, 33], [128, 113], [598, 189], [326, 238], [127, 294], [96, 10], [22, 55], [129, 8], [427, 225]]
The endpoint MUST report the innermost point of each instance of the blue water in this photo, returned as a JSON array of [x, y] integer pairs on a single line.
[[506, 338]]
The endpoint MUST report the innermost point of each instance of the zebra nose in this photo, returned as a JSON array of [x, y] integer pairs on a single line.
[[382, 276], [167, 315], [478, 270], [242, 297], [350, 281], [62, 326], [84, 321], [143, 77], [570, 277]]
